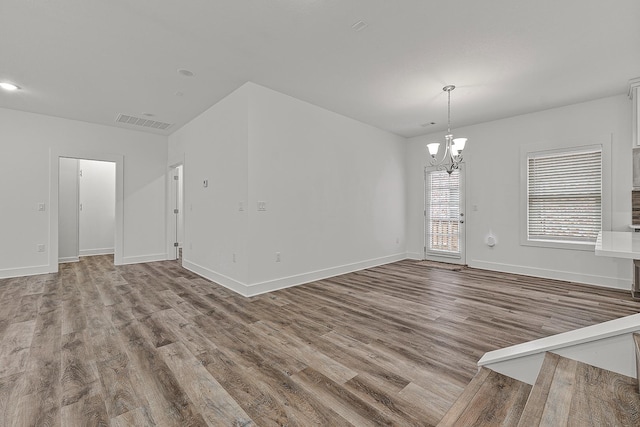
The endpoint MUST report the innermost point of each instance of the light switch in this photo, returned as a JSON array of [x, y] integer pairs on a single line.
[[42, 207]]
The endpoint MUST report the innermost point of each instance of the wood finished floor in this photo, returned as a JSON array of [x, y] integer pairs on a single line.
[[153, 344]]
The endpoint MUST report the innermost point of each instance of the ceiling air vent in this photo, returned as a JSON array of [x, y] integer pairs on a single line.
[[139, 121]]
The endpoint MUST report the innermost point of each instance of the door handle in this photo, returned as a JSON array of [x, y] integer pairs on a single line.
[[461, 221]]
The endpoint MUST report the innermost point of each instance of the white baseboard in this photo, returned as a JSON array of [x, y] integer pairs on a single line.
[[98, 251], [418, 256], [143, 258], [24, 271], [250, 290], [220, 279], [589, 279], [68, 259], [299, 279]]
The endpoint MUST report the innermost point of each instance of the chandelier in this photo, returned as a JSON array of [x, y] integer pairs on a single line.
[[453, 147]]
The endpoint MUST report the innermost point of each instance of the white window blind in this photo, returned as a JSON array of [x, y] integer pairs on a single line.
[[565, 196], [444, 212]]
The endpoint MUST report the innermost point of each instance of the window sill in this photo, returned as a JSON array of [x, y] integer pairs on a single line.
[[556, 244]]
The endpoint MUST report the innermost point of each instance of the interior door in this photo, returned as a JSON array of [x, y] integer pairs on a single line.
[[444, 216]]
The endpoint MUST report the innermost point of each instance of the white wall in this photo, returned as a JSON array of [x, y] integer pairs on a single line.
[[493, 185], [334, 191], [27, 141], [68, 249], [97, 219]]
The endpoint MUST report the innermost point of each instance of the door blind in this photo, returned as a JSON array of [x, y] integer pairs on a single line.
[[565, 196], [444, 212]]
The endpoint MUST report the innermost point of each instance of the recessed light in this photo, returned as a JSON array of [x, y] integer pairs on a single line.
[[185, 72], [424, 125], [179, 93], [9, 86], [148, 114]]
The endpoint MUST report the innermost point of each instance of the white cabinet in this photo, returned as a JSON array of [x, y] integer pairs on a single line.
[[634, 94]]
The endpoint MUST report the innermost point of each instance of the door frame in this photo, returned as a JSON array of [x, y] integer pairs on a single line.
[[171, 203], [54, 171], [452, 259]]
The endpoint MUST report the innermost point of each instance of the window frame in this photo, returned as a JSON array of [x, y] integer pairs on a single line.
[[557, 148]]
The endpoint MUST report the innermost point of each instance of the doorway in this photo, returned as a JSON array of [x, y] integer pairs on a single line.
[[444, 216], [86, 208], [54, 176]]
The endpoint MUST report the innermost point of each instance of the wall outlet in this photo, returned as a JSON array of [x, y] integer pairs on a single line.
[[42, 207], [205, 183], [262, 206], [40, 247], [241, 206], [277, 256]]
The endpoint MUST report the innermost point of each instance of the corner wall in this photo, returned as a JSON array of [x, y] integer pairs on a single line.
[[493, 186], [333, 191], [213, 147]]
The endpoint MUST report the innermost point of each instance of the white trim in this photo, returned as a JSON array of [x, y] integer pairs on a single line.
[[417, 256], [143, 258], [218, 278], [250, 290], [98, 251], [54, 167], [607, 345], [559, 146], [24, 271], [68, 259], [545, 273], [312, 276], [170, 229]]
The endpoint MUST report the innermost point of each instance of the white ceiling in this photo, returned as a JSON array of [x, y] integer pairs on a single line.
[[93, 59]]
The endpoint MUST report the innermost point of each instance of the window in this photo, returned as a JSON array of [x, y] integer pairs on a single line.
[[443, 213], [564, 195]]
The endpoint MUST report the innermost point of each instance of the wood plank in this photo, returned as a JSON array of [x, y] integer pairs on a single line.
[[79, 377], [499, 401], [37, 409], [138, 417], [15, 346], [465, 398], [558, 403], [345, 403], [88, 411], [119, 395], [212, 400], [392, 344], [532, 413], [168, 403], [11, 388]]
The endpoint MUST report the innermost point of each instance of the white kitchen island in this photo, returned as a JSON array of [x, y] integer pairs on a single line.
[[622, 244]]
